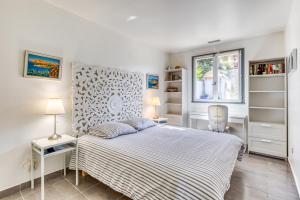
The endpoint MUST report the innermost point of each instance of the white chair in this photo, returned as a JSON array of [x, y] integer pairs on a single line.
[[218, 118]]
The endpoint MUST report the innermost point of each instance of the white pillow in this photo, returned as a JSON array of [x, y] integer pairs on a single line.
[[111, 130], [140, 123]]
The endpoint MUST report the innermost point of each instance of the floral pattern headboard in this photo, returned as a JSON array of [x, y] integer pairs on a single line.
[[103, 94]]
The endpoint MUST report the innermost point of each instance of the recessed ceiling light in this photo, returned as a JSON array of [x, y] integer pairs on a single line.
[[130, 18]]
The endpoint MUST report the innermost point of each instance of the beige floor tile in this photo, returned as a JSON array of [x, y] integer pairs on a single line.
[[101, 192], [86, 182], [124, 198], [245, 193], [60, 189], [16, 196], [255, 178]]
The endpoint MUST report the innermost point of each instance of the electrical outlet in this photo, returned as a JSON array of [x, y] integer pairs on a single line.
[[27, 164]]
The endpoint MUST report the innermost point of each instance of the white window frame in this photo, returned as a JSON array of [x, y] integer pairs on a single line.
[[216, 99]]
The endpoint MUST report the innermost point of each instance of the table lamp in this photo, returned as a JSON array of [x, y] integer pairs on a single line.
[[156, 102], [55, 107]]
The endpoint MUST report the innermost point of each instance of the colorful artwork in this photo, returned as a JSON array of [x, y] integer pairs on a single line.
[[152, 81], [42, 66]]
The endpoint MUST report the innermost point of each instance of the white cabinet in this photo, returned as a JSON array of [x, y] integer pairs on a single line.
[[267, 131], [176, 97]]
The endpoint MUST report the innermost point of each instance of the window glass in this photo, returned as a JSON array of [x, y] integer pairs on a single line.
[[204, 70], [229, 76], [218, 77]]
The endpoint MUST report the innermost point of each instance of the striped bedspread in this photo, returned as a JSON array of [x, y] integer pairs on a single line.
[[162, 163]]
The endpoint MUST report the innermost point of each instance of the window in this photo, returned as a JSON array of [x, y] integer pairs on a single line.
[[219, 77]]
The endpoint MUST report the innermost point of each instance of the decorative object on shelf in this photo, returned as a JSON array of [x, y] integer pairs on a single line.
[[55, 107], [39, 65], [267, 67], [176, 77], [152, 81], [155, 103], [178, 67], [172, 89], [168, 68], [292, 61]]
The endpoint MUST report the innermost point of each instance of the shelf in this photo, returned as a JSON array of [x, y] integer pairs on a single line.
[[264, 122], [267, 91], [170, 103], [174, 115], [174, 70], [267, 75], [174, 81], [172, 92], [266, 108], [67, 149]]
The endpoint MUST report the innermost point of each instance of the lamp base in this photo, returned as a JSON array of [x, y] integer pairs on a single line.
[[55, 136]]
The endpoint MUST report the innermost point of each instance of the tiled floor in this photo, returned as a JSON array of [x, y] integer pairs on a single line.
[[255, 178]]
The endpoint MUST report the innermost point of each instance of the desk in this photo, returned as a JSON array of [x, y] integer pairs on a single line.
[[235, 119]]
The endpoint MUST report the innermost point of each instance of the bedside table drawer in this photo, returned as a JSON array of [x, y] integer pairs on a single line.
[[266, 146], [267, 131]]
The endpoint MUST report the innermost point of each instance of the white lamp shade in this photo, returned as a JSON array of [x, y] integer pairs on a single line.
[[156, 101], [55, 107]]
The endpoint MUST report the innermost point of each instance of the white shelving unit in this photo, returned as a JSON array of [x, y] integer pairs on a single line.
[[268, 112], [176, 101]]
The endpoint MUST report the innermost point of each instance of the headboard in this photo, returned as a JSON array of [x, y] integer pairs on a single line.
[[103, 95]]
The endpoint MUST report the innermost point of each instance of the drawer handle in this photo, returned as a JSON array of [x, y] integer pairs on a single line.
[[266, 141], [266, 125]]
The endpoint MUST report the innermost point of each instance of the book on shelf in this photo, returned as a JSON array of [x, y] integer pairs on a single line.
[[262, 69]]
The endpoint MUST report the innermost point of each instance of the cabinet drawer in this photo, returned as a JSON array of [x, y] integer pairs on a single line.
[[267, 146], [267, 131]]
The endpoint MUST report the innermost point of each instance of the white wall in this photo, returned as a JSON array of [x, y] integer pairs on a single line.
[[292, 37], [38, 26], [263, 47]]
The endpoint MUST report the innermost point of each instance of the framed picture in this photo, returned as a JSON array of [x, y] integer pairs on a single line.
[[293, 60], [39, 65], [152, 81]]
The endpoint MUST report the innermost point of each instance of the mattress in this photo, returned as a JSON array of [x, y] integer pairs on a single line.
[[162, 163]]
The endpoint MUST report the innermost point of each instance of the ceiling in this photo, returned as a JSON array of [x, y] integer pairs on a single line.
[[176, 25]]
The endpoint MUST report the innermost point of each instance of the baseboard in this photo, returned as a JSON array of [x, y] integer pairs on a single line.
[[294, 176], [27, 184]]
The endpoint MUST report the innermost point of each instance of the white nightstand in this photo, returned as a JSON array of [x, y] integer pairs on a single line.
[[161, 121], [48, 148]]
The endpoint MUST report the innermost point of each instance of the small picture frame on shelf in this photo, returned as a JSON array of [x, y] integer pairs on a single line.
[[152, 81]]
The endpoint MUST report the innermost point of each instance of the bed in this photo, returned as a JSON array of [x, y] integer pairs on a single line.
[[162, 163], [155, 163]]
